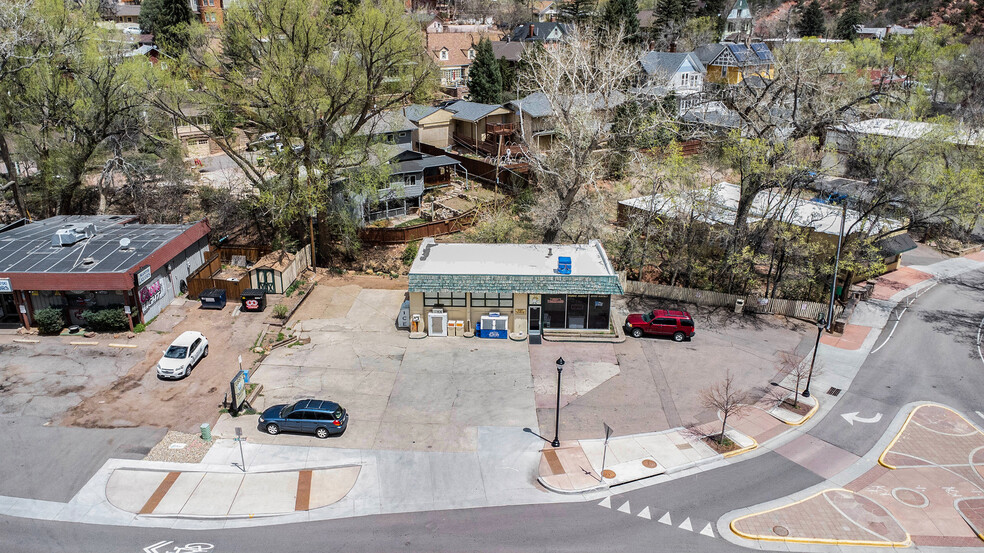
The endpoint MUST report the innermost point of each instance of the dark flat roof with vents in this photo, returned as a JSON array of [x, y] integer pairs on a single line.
[[26, 253]]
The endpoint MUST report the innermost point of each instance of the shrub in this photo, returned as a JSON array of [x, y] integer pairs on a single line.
[[280, 311], [49, 320], [139, 327], [111, 319], [410, 252]]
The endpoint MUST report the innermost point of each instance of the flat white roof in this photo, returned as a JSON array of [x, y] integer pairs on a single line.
[[900, 128], [719, 204], [509, 259]]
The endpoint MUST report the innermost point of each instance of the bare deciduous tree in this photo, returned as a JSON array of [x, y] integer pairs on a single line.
[[727, 398]]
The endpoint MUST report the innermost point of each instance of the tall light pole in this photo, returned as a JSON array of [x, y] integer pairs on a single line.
[[560, 369], [821, 323]]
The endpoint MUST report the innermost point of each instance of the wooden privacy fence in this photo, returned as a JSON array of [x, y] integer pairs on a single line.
[[402, 235], [202, 280], [755, 304], [251, 253]]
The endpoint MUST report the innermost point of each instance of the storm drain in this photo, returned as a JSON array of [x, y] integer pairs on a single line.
[[833, 391]]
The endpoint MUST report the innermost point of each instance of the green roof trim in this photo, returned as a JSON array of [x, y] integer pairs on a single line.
[[516, 284]]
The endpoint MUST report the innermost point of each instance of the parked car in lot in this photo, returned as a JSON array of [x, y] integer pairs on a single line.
[[184, 353], [661, 322], [309, 416]]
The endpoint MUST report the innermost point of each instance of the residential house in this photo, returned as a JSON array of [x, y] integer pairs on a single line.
[[510, 51], [453, 53], [681, 73], [882, 33], [127, 13], [391, 127], [730, 63], [483, 128], [410, 174], [535, 119], [546, 32], [433, 124], [546, 10], [209, 12], [739, 22]]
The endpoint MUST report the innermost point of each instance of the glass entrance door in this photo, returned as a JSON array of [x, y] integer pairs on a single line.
[[534, 320]]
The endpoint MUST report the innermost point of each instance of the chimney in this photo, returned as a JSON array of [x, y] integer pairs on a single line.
[[532, 31], [673, 46]]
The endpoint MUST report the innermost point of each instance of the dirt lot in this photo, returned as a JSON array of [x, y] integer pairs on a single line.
[[139, 398]]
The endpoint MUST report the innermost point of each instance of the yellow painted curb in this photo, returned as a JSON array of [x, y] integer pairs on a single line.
[[26, 341], [819, 541], [754, 445], [806, 417], [122, 346], [84, 343]]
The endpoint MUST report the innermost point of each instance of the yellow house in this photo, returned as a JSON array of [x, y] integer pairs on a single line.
[[729, 63]]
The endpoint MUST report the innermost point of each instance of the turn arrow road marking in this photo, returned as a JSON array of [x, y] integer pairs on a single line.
[[851, 418], [153, 548]]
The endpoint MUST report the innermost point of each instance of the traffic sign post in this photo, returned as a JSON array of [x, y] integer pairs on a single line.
[[604, 452], [240, 438]]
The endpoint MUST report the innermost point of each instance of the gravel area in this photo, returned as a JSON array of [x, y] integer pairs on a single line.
[[193, 451]]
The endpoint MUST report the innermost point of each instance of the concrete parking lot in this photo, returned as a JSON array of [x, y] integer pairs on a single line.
[[401, 394]]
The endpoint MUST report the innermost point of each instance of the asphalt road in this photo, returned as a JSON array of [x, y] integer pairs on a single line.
[[932, 356]]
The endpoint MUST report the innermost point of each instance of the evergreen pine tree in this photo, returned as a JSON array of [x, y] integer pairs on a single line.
[[812, 22], [624, 13], [484, 78], [848, 22], [576, 11], [168, 21], [673, 11]]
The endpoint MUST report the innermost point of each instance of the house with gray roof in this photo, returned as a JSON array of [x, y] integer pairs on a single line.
[[680, 73], [411, 173], [547, 31], [730, 63], [534, 116], [484, 128]]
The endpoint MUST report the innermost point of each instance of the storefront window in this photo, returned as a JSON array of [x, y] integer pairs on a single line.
[[577, 310], [480, 299], [446, 299], [554, 311], [598, 311]]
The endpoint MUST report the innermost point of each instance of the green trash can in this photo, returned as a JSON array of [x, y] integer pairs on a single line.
[[206, 432]]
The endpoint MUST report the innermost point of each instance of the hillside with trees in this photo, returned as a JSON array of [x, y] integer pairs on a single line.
[[967, 15]]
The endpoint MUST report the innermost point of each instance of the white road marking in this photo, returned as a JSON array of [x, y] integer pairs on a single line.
[[979, 328], [606, 503], [979, 414], [645, 514], [154, 547], [852, 417], [927, 289], [625, 508], [686, 525], [665, 519], [707, 531]]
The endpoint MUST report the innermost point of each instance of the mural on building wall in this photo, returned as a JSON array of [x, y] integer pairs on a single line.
[[152, 293]]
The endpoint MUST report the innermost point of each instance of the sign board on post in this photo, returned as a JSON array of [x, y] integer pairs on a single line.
[[238, 386], [144, 275], [5, 285]]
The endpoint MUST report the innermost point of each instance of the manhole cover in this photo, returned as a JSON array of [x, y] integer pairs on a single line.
[[609, 474], [780, 531], [649, 463]]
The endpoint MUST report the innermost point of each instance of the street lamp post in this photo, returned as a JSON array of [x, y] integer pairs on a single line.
[[821, 324], [560, 369]]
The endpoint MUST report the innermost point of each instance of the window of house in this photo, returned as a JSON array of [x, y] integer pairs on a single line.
[[447, 299], [480, 299], [443, 54], [724, 71], [471, 53], [403, 134]]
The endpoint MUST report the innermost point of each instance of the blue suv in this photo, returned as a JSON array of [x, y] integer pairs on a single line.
[[308, 416]]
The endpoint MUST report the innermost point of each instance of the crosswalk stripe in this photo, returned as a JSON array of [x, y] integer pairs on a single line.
[[625, 508], [686, 525], [607, 502], [645, 514], [707, 531], [665, 519]]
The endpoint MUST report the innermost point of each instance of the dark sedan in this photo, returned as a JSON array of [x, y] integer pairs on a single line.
[[308, 416]]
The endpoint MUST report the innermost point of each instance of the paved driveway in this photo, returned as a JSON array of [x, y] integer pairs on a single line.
[[401, 394]]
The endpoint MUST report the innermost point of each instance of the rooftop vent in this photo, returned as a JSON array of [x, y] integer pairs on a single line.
[[89, 261], [72, 234]]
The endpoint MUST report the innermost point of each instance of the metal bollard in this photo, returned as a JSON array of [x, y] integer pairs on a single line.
[[206, 432]]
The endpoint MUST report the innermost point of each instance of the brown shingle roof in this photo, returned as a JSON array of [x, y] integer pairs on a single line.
[[276, 260], [457, 45]]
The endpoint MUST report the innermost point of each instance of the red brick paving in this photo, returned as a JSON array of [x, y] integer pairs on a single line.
[[851, 339], [918, 497], [888, 285]]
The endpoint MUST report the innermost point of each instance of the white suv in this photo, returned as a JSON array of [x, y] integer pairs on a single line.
[[185, 352]]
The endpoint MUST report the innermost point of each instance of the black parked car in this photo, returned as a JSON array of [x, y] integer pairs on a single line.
[[309, 416]]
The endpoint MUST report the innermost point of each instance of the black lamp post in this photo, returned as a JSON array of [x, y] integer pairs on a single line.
[[560, 369], [821, 324]]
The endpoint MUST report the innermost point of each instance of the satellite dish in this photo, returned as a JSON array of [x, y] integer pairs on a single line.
[[124, 243]]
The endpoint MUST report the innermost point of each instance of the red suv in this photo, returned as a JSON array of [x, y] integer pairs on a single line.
[[661, 322]]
